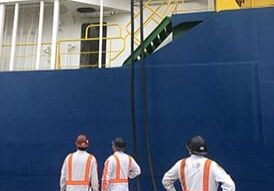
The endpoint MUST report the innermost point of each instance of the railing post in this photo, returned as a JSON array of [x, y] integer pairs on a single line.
[[56, 12], [40, 34], [101, 33], [2, 24], [14, 37]]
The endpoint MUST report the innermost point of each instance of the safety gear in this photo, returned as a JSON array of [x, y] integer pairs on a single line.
[[84, 181], [117, 169], [197, 145], [197, 173], [119, 143], [82, 142], [79, 172], [206, 171]]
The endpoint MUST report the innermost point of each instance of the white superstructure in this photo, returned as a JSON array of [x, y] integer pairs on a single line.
[[61, 34]]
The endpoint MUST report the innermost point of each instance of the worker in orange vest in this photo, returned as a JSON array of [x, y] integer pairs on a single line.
[[79, 171], [118, 168], [197, 173]]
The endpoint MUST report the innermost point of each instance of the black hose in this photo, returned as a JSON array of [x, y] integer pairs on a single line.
[[132, 87], [144, 95]]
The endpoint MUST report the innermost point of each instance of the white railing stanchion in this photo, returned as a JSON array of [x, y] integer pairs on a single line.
[[101, 33], [56, 14], [14, 37], [2, 25], [40, 35]]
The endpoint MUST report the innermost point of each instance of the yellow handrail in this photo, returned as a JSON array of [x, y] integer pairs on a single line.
[[105, 24], [116, 53], [151, 17], [156, 12], [25, 44]]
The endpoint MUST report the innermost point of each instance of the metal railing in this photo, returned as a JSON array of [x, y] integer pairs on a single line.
[[64, 55], [111, 53], [160, 9], [68, 51], [26, 61]]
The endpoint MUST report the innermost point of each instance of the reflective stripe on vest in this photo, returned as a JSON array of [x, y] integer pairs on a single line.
[[85, 181], [118, 178], [104, 180], [205, 175]]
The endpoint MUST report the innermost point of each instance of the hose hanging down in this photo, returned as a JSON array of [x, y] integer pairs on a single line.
[[132, 92], [144, 95]]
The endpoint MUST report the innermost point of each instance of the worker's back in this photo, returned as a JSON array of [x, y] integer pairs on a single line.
[[118, 168], [202, 174], [79, 170], [125, 164], [197, 173], [78, 165], [123, 168]]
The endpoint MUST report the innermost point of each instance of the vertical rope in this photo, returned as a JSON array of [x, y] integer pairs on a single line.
[[144, 94], [133, 112], [132, 92]]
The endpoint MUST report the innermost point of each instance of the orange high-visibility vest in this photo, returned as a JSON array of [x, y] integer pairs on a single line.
[[86, 180], [118, 178], [205, 176]]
